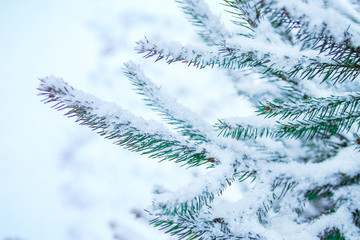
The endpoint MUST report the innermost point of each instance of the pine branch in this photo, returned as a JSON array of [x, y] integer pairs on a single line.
[[335, 71], [114, 123], [182, 118], [345, 56], [302, 129], [174, 52], [243, 130], [227, 58], [232, 56], [311, 108], [258, 131], [318, 128], [284, 60]]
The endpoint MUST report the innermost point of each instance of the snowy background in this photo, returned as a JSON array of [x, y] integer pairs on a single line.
[[59, 180]]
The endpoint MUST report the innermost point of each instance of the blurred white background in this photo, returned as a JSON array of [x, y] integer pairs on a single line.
[[59, 180]]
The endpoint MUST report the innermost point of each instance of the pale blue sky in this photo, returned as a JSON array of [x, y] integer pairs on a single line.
[[37, 38]]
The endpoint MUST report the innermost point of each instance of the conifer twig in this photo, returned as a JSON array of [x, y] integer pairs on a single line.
[[309, 108], [112, 122], [182, 118]]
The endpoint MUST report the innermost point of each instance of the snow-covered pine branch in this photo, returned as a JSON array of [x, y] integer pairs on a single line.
[[275, 57], [184, 120], [303, 129], [246, 128], [319, 128], [309, 108], [119, 125]]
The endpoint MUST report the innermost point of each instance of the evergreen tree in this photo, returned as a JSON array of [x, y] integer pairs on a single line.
[[300, 148]]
